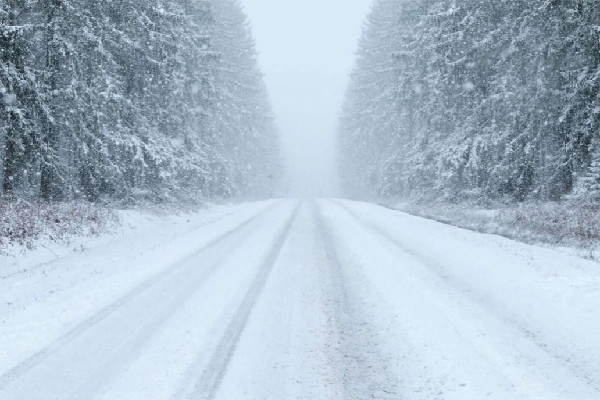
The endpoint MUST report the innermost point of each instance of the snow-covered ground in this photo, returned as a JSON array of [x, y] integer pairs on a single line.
[[289, 299], [570, 226]]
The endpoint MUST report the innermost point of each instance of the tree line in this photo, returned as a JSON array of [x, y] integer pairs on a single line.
[[475, 100], [129, 100]]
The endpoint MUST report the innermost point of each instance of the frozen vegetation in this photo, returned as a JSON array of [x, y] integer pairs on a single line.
[[475, 100], [572, 226], [24, 225], [128, 101]]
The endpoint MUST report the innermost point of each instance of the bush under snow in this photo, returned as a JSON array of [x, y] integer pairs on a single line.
[[24, 224], [571, 224]]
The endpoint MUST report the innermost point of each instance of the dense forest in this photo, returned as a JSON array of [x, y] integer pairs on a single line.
[[475, 100], [130, 100]]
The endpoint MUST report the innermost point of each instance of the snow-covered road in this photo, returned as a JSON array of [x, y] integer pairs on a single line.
[[289, 299]]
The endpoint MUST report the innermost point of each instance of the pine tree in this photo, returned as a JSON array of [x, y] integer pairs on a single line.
[[19, 103], [246, 128], [587, 188], [126, 100], [488, 100]]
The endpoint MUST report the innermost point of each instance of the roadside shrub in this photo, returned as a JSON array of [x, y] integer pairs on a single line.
[[556, 222], [25, 224], [573, 224]]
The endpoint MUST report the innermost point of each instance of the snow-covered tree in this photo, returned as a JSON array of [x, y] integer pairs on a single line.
[[486, 99], [157, 100], [243, 120], [19, 104]]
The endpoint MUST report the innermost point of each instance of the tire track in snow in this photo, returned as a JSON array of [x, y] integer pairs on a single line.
[[43, 354], [207, 386], [193, 279], [489, 305], [364, 372]]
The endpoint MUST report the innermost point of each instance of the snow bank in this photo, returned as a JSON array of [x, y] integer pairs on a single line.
[[573, 226], [34, 234]]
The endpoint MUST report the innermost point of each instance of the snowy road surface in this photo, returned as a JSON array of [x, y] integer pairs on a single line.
[[287, 299]]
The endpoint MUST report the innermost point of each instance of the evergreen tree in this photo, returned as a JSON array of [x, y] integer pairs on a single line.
[[19, 105], [488, 100], [127, 100]]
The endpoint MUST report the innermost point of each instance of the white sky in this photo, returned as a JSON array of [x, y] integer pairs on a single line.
[[306, 50]]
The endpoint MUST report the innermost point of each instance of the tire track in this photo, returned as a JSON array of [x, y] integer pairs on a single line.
[[364, 372], [192, 279], [207, 386], [43, 354], [471, 295]]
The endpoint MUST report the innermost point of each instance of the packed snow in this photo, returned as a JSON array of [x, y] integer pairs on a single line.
[[288, 299]]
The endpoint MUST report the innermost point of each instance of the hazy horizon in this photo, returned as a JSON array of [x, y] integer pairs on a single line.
[[306, 72]]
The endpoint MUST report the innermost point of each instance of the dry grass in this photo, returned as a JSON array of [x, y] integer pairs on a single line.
[[25, 224], [569, 224]]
